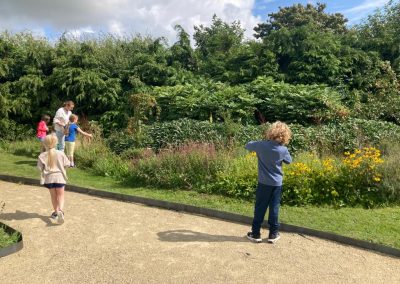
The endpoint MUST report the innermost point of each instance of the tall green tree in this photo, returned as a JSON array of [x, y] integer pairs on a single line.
[[213, 43], [299, 15], [381, 33]]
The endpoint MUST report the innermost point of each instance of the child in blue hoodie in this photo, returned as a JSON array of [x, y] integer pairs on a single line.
[[270, 153]]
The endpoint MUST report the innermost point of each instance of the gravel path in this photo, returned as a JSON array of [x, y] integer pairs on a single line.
[[106, 241]]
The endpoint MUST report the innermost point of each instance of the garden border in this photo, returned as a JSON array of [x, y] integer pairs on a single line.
[[237, 218], [14, 247]]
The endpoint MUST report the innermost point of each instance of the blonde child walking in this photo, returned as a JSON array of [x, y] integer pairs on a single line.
[[271, 153], [70, 138], [52, 165]]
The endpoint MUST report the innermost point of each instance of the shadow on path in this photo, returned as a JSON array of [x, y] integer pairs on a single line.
[[21, 215], [191, 236]]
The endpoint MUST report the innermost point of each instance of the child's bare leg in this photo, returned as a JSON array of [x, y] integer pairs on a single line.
[[60, 198], [53, 196]]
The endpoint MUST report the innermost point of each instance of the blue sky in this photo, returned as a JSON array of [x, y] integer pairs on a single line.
[[51, 18]]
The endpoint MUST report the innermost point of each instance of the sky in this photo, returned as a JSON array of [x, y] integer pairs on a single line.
[[50, 18]]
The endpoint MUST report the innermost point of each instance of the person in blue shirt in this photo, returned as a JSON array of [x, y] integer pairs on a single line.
[[271, 153], [70, 137]]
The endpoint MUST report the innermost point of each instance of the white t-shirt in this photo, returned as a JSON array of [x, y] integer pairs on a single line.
[[62, 116]]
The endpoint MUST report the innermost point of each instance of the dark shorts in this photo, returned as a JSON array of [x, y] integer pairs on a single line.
[[54, 185]]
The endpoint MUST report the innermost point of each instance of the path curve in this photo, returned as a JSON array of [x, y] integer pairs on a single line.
[[107, 241]]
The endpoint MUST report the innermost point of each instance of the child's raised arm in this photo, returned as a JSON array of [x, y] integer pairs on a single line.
[[84, 133], [252, 146], [287, 159]]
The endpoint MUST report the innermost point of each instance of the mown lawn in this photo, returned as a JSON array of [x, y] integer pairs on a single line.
[[381, 225]]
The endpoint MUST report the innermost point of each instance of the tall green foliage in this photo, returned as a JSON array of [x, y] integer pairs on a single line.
[[302, 49]]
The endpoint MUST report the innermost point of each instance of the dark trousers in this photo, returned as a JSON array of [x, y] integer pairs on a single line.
[[267, 196]]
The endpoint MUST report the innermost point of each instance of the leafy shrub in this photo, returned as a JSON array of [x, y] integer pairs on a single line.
[[237, 179], [12, 131], [303, 104], [183, 130], [111, 165], [119, 142], [332, 138], [187, 166], [96, 156], [352, 180], [336, 138], [204, 99]]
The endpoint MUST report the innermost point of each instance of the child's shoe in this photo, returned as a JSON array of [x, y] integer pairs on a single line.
[[54, 215], [272, 238], [254, 237], [60, 217]]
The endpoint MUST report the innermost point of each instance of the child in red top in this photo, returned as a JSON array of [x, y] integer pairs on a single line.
[[42, 127]]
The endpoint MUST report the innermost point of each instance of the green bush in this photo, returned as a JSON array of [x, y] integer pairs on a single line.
[[98, 157], [350, 181], [303, 104], [353, 180], [119, 142], [12, 131], [237, 179], [187, 166]]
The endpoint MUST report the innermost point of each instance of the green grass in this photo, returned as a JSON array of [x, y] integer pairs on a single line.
[[380, 225], [6, 239]]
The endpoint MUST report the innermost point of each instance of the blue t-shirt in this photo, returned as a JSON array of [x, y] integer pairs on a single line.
[[270, 156], [72, 133]]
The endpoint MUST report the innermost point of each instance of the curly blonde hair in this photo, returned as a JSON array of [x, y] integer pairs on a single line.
[[279, 132]]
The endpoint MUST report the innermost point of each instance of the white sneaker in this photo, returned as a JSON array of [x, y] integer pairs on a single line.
[[60, 217]]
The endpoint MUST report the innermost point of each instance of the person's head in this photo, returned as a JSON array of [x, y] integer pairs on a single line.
[[279, 132], [73, 118], [50, 142], [46, 118], [68, 105]]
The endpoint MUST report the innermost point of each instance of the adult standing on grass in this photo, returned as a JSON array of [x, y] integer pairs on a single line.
[[52, 165], [60, 120], [270, 153]]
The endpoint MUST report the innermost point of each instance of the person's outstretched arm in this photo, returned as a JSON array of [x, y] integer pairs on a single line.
[[84, 133], [252, 146], [287, 159]]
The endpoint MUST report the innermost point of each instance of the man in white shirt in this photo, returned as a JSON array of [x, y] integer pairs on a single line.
[[60, 120]]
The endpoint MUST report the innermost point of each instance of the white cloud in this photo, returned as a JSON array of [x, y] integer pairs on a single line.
[[361, 11], [367, 6], [154, 17]]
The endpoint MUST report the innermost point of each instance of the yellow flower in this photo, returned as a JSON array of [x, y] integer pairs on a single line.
[[377, 179]]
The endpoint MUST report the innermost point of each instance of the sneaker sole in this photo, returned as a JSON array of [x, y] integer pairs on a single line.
[[272, 241], [60, 218], [254, 240]]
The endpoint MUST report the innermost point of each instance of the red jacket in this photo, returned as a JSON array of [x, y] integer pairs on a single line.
[[41, 129]]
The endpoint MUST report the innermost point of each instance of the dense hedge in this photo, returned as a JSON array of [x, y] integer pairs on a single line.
[[328, 138]]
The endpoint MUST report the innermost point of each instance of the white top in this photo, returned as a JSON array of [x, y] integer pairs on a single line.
[[58, 175], [62, 116]]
